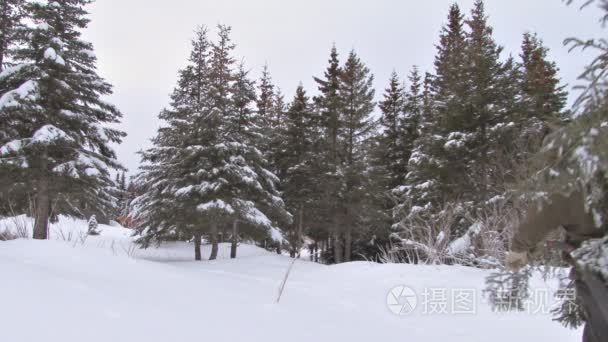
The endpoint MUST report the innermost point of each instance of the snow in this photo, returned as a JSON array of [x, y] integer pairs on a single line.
[[252, 214], [45, 135], [496, 199], [453, 144], [25, 91], [103, 290], [48, 134], [217, 205], [588, 162], [461, 245], [43, 27], [53, 56], [11, 70], [11, 146]]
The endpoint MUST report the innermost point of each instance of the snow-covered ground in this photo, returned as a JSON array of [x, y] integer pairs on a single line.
[[103, 289]]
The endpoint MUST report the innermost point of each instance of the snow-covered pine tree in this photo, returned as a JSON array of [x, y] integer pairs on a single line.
[[414, 108], [431, 176], [60, 136], [204, 169], [329, 105], [266, 98], [168, 168], [491, 114], [420, 196], [265, 105], [11, 15], [299, 186], [357, 100], [248, 192], [391, 158], [93, 226], [542, 99], [12, 189], [246, 125]]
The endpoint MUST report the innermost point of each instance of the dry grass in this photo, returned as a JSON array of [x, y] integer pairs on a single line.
[[18, 228]]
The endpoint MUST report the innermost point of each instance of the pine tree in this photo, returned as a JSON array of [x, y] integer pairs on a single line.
[[60, 136], [542, 99], [247, 124], [391, 156], [167, 169], [420, 194], [93, 226], [492, 110], [414, 108], [433, 171], [204, 170], [299, 186], [11, 16], [357, 100], [329, 105]]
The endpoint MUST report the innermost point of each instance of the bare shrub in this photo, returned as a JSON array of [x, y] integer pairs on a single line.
[[432, 240], [18, 228], [7, 235]]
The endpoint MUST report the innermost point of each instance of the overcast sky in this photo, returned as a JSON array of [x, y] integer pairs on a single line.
[[141, 44]]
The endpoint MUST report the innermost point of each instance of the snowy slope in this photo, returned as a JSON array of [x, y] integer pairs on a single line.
[[62, 291]]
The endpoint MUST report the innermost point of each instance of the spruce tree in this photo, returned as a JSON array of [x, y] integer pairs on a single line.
[[414, 108], [391, 156], [491, 107], [420, 195], [542, 99], [246, 123], [11, 16], [433, 170], [205, 169], [93, 226], [59, 136], [543, 96], [167, 168], [299, 186], [329, 105], [357, 101]]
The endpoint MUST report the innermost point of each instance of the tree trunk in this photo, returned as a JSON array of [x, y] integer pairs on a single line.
[[197, 246], [348, 241], [235, 238], [43, 206], [300, 233], [337, 248], [214, 245]]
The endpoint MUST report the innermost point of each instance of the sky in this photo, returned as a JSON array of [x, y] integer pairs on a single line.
[[141, 44]]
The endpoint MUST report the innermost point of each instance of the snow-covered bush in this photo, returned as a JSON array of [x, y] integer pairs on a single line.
[[93, 226]]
